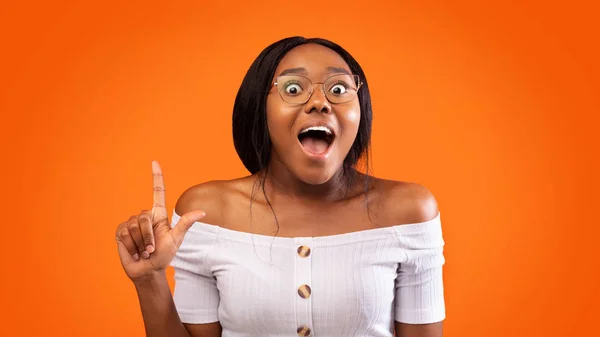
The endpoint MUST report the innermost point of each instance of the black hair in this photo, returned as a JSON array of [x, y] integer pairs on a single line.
[[250, 131]]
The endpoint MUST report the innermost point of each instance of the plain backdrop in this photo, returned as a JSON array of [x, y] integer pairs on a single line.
[[491, 105]]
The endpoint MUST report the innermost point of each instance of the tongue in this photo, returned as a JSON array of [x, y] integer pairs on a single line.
[[314, 145]]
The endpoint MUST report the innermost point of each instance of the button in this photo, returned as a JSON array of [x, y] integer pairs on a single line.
[[304, 291], [303, 331], [303, 251]]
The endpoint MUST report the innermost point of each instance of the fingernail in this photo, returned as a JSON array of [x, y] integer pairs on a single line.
[[150, 249], [136, 257], [145, 254]]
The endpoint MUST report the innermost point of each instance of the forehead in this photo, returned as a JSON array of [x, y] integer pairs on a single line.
[[313, 60]]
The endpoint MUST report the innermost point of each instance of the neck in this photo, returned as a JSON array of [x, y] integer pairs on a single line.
[[282, 184]]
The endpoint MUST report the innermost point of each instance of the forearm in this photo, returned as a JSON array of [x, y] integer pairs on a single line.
[[158, 309]]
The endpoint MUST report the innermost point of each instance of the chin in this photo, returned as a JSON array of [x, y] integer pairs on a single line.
[[315, 176]]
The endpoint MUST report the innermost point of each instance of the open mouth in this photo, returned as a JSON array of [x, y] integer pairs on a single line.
[[316, 139]]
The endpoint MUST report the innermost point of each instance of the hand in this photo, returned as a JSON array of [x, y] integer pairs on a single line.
[[146, 242]]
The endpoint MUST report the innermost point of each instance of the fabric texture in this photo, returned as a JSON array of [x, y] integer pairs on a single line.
[[353, 284]]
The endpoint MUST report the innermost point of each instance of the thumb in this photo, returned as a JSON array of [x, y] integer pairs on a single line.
[[185, 223]]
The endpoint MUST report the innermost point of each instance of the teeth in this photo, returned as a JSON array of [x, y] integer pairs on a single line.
[[317, 128]]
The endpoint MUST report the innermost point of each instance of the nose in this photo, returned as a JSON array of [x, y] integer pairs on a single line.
[[318, 101]]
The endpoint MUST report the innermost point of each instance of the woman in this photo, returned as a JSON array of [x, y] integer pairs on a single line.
[[306, 245]]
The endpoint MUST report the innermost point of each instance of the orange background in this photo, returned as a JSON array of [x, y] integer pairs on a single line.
[[493, 107]]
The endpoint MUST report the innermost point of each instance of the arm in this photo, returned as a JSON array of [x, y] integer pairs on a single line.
[[159, 313], [419, 330], [147, 243], [421, 276]]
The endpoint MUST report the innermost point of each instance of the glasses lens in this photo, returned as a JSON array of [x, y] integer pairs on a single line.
[[341, 88], [297, 89], [294, 89]]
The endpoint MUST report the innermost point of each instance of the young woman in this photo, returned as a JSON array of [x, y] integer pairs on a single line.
[[304, 246]]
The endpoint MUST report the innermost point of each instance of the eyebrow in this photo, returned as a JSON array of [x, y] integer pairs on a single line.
[[334, 70], [293, 71], [337, 70]]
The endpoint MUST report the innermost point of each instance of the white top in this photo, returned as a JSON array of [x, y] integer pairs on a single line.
[[353, 284]]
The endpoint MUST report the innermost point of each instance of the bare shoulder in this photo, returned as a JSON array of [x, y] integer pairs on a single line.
[[212, 197], [404, 202], [199, 196]]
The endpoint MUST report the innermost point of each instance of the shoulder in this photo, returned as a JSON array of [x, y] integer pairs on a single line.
[[405, 202], [198, 196], [211, 197]]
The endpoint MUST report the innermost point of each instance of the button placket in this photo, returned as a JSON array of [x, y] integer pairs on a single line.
[[303, 251], [303, 331], [303, 286], [304, 291]]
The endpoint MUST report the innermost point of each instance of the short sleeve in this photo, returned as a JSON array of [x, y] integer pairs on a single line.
[[195, 295], [419, 285]]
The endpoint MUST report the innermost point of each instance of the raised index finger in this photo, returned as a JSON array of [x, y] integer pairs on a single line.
[[159, 208]]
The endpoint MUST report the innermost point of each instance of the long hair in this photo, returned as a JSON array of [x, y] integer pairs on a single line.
[[250, 131]]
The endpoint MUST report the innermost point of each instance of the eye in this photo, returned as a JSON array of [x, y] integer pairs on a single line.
[[339, 88], [292, 88]]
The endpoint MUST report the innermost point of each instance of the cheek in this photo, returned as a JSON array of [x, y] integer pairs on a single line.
[[279, 120], [351, 122]]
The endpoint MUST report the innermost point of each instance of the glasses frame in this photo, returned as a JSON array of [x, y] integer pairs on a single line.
[[312, 87]]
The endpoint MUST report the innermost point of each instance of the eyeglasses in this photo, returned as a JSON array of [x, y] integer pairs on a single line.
[[297, 89]]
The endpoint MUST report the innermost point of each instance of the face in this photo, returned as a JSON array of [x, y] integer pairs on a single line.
[[312, 131]]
